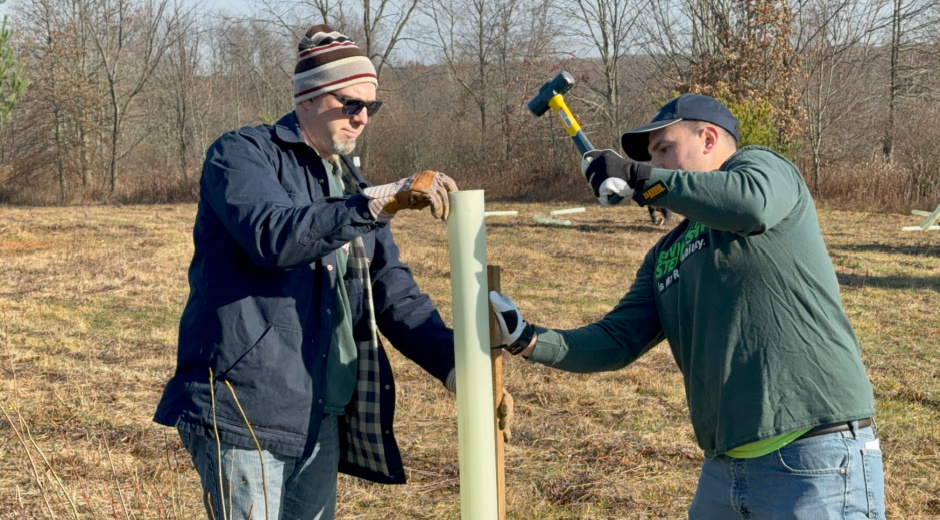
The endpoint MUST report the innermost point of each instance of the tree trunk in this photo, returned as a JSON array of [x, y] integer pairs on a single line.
[[58, 155], [112, 167], [888, 148], [83, 154]]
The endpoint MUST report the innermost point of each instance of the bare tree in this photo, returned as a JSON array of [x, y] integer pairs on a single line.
[[130, 40], [680, 32], [181, 80], [610, 27], [836, 39], [911, 22], [267, 58], [461, 35], [489, 47], [64, 103]]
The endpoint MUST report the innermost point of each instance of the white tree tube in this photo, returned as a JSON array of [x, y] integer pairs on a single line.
[[566, 211], [553, 221], [466, 237]]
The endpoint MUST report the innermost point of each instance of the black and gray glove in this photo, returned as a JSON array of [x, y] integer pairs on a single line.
[[609, 175], [515, 333]]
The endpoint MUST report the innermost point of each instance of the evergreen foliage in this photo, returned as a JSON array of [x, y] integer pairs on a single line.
[[12, 82]]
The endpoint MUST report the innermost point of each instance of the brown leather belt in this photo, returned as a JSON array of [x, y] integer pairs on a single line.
[[823, 429]]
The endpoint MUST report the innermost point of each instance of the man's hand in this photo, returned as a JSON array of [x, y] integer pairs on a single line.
[[515, 333], [609, 174], [428, 188]]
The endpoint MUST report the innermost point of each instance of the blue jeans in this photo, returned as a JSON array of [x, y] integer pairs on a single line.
[[297, 487], [834, 476]]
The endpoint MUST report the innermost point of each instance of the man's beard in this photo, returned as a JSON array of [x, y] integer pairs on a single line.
[[343, 145]]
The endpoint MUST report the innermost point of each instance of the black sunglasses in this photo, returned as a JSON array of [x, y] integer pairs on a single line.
[[352, 107]]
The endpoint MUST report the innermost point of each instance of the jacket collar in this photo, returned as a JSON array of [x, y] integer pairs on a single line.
[[287, 129]]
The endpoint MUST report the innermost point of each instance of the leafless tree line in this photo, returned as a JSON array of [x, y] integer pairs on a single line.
[[126, 95]]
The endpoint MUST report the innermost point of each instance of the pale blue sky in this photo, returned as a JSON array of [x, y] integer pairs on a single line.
[[232, 6]]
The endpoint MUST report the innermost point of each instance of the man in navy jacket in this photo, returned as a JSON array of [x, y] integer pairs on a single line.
[[280, 380]]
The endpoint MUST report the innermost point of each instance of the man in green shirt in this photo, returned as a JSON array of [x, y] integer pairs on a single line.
[[747, 297]]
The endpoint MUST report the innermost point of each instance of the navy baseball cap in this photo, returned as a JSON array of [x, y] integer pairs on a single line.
[[687, 107]]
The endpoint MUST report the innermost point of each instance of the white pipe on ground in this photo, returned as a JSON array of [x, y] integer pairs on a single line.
[[567, 211]]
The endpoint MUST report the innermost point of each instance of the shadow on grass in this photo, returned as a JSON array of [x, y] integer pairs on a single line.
[[584, 227], [612, 227], [930, 250], [889, 282]]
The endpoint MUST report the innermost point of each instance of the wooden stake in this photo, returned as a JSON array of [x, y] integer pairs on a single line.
[[496, 358]]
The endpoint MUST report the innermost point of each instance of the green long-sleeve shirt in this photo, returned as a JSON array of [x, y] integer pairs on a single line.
[[747, 297]]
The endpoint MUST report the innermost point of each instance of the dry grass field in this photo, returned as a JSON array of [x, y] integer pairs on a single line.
[[89, 303]]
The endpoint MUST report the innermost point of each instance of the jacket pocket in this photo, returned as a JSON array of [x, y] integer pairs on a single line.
[[272, 372]]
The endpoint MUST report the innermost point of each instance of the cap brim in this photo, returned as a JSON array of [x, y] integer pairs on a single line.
[[636, 142]]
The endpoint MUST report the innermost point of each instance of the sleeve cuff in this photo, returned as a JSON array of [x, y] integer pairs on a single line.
[[547, 350], [451, 382]]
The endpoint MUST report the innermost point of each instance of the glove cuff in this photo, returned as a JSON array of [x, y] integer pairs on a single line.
[[523, 341], [639, 173], [378, 208]]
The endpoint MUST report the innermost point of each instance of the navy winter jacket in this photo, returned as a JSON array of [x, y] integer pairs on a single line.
[[262, 290]]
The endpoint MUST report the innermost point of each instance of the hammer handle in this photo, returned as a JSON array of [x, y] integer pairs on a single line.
[[557, 103], [582, 142]]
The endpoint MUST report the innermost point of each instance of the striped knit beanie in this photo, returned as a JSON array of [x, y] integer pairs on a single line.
[[328, 61]]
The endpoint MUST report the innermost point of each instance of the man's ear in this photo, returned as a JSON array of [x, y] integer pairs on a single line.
[[711, 136], [305, 105]]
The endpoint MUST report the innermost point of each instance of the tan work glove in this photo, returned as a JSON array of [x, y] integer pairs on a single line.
[[504, 411], [504, 415], [428, 188]]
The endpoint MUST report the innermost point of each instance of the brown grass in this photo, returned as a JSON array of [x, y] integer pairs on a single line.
[[89, 303]]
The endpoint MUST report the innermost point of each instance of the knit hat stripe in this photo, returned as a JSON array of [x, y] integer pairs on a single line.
[[322, 59], [328, 60], [323, 89], [325, 48], [333, 68]]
